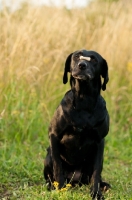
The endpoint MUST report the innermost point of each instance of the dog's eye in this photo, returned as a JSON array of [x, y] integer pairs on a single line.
[[77, 56], [93, 60]]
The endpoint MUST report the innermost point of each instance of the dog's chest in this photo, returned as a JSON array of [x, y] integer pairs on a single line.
[[81, 118], [76, 138], [76, 146], [85, 114], [70, 140]]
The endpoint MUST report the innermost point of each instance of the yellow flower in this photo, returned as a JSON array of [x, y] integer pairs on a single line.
[[68, 185], [56, 184], [63, 189], [66, 188]]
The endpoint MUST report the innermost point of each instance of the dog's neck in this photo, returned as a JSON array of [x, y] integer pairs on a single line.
[[85, 93]]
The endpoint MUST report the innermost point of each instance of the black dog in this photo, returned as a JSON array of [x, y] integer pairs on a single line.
[[79, 126]]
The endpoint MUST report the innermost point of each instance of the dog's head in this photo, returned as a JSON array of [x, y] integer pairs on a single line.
[[86, 66]]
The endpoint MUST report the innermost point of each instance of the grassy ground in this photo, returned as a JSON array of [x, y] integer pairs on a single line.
[[34, 43]]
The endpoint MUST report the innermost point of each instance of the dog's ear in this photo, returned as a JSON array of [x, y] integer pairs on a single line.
[[104, 73], [67, 68]]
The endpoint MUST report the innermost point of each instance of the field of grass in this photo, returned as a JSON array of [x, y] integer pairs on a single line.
[[34, 43]]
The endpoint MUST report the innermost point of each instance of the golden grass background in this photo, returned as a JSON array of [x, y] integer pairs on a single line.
[[34, 44], [35, 41]]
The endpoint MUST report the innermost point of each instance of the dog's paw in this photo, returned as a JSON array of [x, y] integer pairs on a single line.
[[61, 184], [104, 186], [96, 195]]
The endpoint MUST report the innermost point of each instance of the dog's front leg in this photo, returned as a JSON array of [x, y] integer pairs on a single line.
[[57, 165], [96, 176]]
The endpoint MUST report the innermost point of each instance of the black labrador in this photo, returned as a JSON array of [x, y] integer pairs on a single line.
[[79, 126]]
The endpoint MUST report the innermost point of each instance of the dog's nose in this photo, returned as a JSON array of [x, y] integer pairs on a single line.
[[82, 65]]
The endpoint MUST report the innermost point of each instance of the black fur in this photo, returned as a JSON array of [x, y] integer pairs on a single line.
[[79, 126]]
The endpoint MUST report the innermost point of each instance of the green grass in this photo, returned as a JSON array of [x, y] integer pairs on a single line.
[[34, 43]]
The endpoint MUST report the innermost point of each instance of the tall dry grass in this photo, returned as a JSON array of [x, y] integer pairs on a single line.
[[34, 43]]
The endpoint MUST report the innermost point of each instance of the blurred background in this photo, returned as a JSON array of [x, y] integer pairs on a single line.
[[37, 36], [35, 39], [15, 4]]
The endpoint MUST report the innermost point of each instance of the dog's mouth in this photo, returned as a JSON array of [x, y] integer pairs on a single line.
[[83, 77]]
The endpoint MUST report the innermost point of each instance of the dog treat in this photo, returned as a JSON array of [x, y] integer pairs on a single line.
[[85, 58]]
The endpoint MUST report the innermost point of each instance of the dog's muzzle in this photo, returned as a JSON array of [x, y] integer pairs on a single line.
[[82, 65]]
